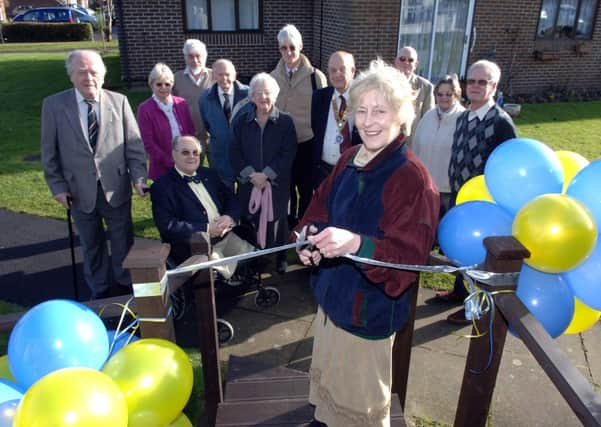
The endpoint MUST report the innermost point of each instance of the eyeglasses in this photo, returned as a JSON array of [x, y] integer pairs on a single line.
[[406, 59], [285, 48], [187, 153], [161, 84], [480, 82]]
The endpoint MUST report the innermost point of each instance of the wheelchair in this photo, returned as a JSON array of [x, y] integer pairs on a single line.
[[245, 280]]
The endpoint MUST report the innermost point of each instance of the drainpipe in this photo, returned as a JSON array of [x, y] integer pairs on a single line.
[[125, 72]]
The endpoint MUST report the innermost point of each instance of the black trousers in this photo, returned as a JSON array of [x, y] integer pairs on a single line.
[[301, 188]]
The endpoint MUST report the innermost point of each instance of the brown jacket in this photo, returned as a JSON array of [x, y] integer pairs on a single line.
[[296, 93]]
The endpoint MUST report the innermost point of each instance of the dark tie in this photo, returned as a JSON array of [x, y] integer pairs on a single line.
[[92, 125], [194, 178], [290, 74], [227, 107], [342, 107], [345, 132]]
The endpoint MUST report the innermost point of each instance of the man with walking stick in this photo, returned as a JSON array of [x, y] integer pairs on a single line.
[[92, 153]]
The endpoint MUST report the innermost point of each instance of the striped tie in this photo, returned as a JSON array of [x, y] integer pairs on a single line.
[[92, 125]]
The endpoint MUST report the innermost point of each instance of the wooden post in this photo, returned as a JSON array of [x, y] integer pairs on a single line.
[[401, 350], [146, 264], [504, 255], [204, 296]]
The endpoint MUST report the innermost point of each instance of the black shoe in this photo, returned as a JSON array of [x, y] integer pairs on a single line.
[[282, 266], [316, 423], [100, 295]]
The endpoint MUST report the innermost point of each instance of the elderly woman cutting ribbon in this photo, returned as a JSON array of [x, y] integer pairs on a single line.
[[262, 154], [379, 202]]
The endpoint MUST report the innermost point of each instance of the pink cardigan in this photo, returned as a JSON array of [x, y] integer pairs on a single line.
[[156, 133]]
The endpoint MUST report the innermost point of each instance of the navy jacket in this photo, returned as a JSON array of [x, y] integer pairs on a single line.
[[219, 129], [321, 104], [270, 150], [178, 213]]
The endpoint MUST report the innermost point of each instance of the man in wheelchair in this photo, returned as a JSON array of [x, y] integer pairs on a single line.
[[191, 198]]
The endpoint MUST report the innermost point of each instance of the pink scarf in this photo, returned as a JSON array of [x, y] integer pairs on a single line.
[[261, 199]]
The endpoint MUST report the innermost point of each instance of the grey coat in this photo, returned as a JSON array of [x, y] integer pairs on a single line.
[[67, 158]]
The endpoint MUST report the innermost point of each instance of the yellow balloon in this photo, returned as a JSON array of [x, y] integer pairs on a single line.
[[558, 230], [474, 189], [584, 318], [5, 372], [181, 421], [155, 377], [571, 163], [72, 397]]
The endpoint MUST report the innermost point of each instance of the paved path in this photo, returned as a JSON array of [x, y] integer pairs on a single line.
[[35, 266]]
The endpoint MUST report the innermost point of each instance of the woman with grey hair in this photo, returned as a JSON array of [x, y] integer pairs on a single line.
[[161, 118], [433, 136], [297, 79], [262, 154], [379, 202], [191, 82]]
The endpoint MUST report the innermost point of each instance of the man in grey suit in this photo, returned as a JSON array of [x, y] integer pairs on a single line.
[[91, 154]]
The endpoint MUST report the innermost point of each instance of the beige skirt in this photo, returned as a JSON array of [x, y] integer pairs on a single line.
[[351, 377]]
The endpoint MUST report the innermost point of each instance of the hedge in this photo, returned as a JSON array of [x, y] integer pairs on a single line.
[[47, 32]]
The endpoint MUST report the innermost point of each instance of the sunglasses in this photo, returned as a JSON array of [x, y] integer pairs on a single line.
[[449, 94], [187, 153], [160, 84], [406, 59], [480, 82], [285, 48]]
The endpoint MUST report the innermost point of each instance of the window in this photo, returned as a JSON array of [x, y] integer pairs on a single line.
[[222, 15], [567, 19]]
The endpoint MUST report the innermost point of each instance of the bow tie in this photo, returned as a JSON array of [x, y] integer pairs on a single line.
[[194, 178]]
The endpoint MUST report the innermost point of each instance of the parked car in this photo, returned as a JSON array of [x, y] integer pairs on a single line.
[[56, 14]]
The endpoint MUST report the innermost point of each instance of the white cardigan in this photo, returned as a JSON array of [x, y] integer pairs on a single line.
[[433, 140]]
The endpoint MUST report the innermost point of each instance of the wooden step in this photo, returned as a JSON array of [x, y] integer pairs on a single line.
[[266, 389], [281, 412], [258, 395]]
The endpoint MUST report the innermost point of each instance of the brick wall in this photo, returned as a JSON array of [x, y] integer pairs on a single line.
[[154, 31], [505, 32], [367, 29]]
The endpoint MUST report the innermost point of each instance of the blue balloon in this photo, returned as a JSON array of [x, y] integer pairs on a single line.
[[548, 297], [53, 335], [462, 230], [521, 169], [583, 187], [585, 279], [9, 391], [120, 342], [7, 412]]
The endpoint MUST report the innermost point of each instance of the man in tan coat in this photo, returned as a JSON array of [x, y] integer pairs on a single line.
[[407, 62], [298, 79]]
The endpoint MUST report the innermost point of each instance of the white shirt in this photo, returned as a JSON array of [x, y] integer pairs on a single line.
[[203, 196], [168, 110], [332, 137], [198, 81], [82, 105], [481, 112]]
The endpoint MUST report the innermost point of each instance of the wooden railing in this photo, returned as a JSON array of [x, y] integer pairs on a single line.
[[504, 254]]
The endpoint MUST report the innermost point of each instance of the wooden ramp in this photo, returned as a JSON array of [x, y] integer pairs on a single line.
[[256, 395]]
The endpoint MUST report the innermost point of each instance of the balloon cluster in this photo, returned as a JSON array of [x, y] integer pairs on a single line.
[[548, 201], [60, 371]]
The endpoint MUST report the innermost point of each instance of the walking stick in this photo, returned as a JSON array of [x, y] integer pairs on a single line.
[[72, 244]]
